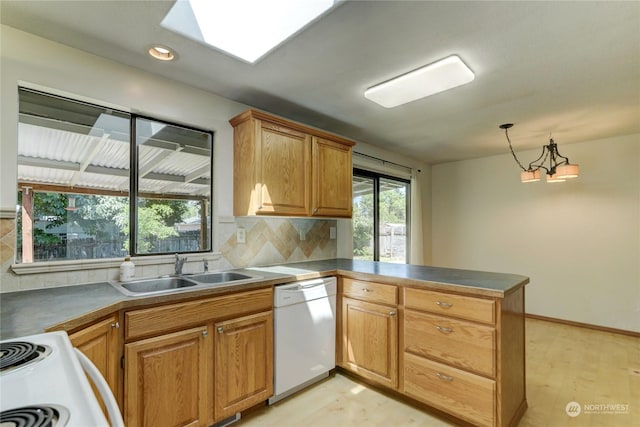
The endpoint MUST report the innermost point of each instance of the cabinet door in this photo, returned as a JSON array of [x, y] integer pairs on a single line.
[[100, 343], [332, 178], [284, 171], [243, 363], [167, 380], [370, 341]]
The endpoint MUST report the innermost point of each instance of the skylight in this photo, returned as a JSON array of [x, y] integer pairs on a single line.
[[245, 29]]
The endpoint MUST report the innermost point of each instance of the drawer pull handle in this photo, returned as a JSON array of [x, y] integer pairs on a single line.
[[220, 329], [366, 290], [115, 325], [444, 329], [444, 377], [444, 304]]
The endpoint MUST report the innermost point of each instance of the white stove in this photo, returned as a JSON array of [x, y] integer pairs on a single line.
[[42, 383]]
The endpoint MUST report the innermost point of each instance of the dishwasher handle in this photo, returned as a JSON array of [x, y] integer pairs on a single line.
[[299, 286]]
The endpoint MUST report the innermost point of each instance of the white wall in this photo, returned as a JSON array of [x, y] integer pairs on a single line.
[[578, 241]]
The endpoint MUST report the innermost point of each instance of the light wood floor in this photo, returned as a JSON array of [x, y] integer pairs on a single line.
[[564, 364]]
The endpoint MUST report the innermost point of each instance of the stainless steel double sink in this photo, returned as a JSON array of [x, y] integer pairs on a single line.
[[170, 284]]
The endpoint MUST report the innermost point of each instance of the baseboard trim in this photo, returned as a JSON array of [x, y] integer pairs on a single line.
[[584, 325]]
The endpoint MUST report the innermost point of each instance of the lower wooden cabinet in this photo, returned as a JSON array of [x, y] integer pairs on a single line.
[[370, 341], [168, 379], [465, 355], [198, 362], [461, 354], [243, 363], [100, 342]]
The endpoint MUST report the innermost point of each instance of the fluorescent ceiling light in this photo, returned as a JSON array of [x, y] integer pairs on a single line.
[[246, 29], [445, 74]]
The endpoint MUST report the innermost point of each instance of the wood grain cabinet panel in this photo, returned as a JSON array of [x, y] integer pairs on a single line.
[[284, 171], [149, 321], [462, 344], [243, 363], [465, 395], [332, 178], [461, 306], [370, 291], [101, 343], [167, 380], [370, 341]]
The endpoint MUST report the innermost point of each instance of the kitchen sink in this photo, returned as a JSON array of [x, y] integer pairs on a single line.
[[222, 277], [152, 286], [170, 284]]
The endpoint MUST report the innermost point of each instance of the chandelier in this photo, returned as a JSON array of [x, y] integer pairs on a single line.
[[558, 169]]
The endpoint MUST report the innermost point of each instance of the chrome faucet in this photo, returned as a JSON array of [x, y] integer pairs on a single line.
[[206, 265], [179, 264]]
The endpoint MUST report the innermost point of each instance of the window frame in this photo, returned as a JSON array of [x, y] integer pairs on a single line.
[[376, 176], [207, 236]]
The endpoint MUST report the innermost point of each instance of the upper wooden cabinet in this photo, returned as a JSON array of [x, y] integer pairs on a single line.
[[332, 178], [285, 168]]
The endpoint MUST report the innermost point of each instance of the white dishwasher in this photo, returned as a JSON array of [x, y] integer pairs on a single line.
[[304, 333]]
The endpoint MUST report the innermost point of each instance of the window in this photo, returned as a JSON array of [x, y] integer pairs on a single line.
[[380, 217], [78, 167]]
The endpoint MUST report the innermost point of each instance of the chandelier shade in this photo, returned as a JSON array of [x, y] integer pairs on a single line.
[[530, 176]]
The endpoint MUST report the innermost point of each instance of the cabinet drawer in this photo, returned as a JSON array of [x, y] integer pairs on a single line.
[[456, 342], [470, 308], [467, 396], [150, 321], [370, 291]]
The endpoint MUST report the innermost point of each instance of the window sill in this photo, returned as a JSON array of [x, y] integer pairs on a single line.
[[94, 264]]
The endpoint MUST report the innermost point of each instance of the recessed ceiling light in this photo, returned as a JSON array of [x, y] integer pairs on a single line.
[[246, 29], [162, 53], [437, 77]]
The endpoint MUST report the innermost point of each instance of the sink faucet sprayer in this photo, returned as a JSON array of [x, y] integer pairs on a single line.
[[179, 264], [206, 265]]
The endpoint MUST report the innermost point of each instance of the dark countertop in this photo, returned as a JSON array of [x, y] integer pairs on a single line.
[[31, 312]]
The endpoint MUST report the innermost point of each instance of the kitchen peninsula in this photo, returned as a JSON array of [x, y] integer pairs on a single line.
[[447, 338]]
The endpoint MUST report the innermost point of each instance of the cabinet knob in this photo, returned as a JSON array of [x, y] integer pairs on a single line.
[[444, 330], [220, 329], [444, 377], [115, 325], [205, 333], [444, 304], [392, 313]]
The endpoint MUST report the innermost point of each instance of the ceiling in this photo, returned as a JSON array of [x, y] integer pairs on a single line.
[[570, 69]]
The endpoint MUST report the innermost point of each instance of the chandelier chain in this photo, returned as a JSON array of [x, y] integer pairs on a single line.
[[512, 152]]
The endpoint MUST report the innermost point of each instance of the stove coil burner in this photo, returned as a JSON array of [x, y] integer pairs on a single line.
[[35, 416], [16, 354]]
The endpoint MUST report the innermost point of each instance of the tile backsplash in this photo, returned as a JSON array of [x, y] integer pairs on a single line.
[[276, 240], [268, 241]]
